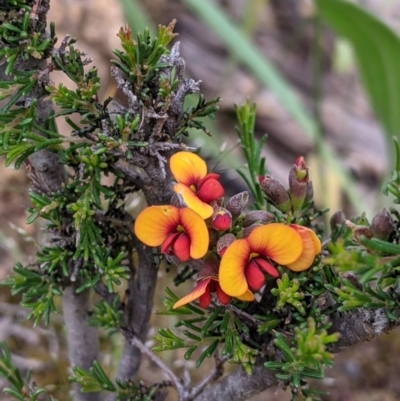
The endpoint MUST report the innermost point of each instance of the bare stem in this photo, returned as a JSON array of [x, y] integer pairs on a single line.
[[83, 341], [168, 372], [141, 290], [239, 386], [48, 175]]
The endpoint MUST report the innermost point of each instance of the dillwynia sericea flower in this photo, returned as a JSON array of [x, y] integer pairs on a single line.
[[207, 284], [180, 232], [245, 261], [197, 188], [206, 228]]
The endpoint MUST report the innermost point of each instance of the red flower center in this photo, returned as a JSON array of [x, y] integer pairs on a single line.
[[213, 286], [254, 275], [177, 244]]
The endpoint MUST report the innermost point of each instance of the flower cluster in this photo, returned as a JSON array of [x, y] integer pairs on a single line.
[[237, 250]]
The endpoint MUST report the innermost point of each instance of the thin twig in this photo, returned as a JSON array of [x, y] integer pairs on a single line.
[[212, 376], [243, 314], [168, 372]]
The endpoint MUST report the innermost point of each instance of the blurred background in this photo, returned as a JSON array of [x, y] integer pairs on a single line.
[[346, 149]]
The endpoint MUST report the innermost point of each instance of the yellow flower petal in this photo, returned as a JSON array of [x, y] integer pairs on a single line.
[[193, 202], [317, 242], [231, 271], [248, 296], [311, 247], [154, 223], [196, 229], [281, 243], [187, 168], [196, 293]]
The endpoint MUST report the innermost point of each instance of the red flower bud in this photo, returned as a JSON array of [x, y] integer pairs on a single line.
[[298, 178], [221, 219], [275, 192], [301, 169], [210, 188]]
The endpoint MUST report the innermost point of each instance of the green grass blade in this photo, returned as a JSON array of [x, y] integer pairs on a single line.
[[137, 16], [377, 49], [247, 52]]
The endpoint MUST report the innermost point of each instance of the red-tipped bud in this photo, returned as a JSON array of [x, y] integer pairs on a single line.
[[221, 219], [298, 178], [210, 188], [275, 192], [382, 225], [257, 216], [301, 169], [237, 203], [224, 242], [338, 219]]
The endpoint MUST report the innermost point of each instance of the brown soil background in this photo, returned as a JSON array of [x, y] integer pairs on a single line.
[[368, 372]]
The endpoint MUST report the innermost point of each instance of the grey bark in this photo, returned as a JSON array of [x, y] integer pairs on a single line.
[[47, 173], [239, 386], [83, 342]]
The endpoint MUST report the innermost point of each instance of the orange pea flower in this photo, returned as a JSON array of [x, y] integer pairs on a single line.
[[311, 248], [207, 284], [180, 232], [197, 188], [246, 260], [203, 291]]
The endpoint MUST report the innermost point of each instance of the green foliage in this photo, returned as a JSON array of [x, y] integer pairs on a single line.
[[255, 167], [107, 315], [377, 49], [142, 58], [89, 231], [393, 185], [19, 39], [370, 265], [288, 293], [38, 291], [204, 332], [97, 380], [306, 358], [22, 389], [7, 368], [192, 118]]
